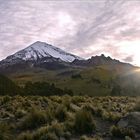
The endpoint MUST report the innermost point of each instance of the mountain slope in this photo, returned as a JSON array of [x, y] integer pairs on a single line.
[[40, 50], [99, 60], [94, 81], [39, 54]]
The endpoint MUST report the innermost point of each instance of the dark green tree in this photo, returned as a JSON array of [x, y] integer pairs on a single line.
[[8, 87]]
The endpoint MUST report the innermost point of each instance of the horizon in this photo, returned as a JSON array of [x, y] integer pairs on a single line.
[[69, 25]]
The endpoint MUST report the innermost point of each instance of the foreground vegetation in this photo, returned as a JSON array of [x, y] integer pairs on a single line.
[[64, 117]]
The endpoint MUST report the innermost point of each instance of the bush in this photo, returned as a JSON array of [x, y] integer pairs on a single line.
[[25, 136], [60, 113], [83, 137], [76, 76], [77, 99], [116, 91], [111, 116], [20, 113], [99, 111], [5, 99], [52, 131], [5, 132], [44, 89], [127, 138], [49, 136], [122, 132], [56, 128], [89, 138], [8, 87], [137, 106], [84, 122], [36, 135], [34, 119]]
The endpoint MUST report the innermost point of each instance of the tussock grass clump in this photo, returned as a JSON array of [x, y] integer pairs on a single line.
[[122, 132], [60, 113], [33, 120], [84, 137], [5, 133], [49, 136], [51, 132], [25, 136], [5, 99], [77, 99], [84, 122], [111, 117], [137, 106], [20, 113]]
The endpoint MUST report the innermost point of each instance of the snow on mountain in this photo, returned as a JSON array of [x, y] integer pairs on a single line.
[[40, 50]]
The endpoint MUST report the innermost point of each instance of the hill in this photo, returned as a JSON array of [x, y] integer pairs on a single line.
[[97, 80]]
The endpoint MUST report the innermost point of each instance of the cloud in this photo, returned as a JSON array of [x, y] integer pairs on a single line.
[[129, 59], [82, 27]]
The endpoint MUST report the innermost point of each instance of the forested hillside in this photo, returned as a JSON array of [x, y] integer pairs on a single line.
[[8, 87]]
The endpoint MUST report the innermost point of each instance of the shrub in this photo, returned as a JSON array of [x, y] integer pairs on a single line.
[[66, 101], [116, 91], [20, 113], [53, 131], [76, 76], [77, 99], [137, 106], [36, 135], [60, 113], [33, 120], [5, 132], [113, 117], [99, 111], [50, 114], [25, 136], [8, 87], [49, 136], [122, 132], [89, 138], [42, 89], [83, 137], [56, 128], [127, 138], [67, 135], [84, 122], [5, 99], [95, 80]]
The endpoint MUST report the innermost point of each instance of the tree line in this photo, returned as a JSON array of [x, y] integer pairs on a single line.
[[8, 87]]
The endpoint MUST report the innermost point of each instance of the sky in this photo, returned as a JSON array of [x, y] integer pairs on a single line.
[[82, 27]]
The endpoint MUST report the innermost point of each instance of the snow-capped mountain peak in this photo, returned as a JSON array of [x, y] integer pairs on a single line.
[[40, 50]]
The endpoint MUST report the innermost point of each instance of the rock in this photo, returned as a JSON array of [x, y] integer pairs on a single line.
[[132, 120], [74, 107]]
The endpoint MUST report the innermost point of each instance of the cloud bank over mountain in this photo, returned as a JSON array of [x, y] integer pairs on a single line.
[[84, 28]]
